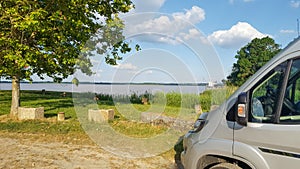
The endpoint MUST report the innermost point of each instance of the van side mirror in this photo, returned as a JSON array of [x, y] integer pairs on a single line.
[[241, 111]]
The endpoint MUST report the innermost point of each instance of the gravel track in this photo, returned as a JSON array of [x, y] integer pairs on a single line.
[[40, 151]]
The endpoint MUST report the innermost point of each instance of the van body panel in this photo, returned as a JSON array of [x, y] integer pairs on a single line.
[[271, 142], [211, 146], [215, 139], [251, 154], [212, 123], [260, 145]]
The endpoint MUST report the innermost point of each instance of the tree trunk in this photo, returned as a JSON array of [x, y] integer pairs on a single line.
[[15, 99]]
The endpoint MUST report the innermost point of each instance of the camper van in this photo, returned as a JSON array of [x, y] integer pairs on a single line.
[[258, 127]]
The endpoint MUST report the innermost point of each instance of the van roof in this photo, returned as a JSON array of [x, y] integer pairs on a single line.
[[292, 46]]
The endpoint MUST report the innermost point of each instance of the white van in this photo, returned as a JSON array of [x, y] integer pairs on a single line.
[[258, 126]]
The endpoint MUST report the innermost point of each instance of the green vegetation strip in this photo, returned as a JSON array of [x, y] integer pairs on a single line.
[[55, 102], [35, 126]]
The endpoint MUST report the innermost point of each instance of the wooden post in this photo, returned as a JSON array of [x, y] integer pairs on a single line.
[[43, 91]]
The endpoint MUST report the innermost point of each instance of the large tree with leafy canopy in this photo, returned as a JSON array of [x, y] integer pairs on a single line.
[[48, 38], [250, 58]]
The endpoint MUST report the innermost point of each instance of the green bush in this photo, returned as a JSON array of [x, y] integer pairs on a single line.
[[159, 98], [134, 98], [190, 100], [175, 99], [215, 97], [205, 100]]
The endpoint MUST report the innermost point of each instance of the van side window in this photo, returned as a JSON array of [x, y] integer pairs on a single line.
[[264, 96], [290, 112]]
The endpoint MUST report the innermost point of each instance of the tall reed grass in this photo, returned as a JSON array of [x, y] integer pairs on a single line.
[[173, 99]]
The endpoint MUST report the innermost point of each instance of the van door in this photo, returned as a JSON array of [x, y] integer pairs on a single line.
[[271, 138]]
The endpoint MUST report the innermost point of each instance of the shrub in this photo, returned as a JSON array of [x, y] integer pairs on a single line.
[[175, 99], [205, 100], [215, 97]]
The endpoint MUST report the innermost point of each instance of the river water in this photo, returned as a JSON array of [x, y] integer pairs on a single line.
[[114, 89]]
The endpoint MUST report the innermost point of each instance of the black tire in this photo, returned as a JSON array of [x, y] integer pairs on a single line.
[[225, 166]]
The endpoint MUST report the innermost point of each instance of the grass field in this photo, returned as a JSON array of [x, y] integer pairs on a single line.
[[54, 102]]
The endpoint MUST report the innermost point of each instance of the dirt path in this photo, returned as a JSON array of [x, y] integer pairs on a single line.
[[47, 152]]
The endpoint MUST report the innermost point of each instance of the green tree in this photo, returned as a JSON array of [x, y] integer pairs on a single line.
[[250, 58], [48, 37]]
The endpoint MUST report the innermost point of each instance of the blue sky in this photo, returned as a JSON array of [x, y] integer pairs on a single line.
[[194, 40]]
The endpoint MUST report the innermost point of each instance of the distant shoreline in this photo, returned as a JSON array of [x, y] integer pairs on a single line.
[[120, 83], [110, 88]]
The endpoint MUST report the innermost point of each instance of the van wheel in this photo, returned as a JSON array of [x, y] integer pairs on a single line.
[[225, 166]]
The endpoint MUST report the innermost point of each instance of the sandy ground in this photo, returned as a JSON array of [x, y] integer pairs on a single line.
[[19, 150]]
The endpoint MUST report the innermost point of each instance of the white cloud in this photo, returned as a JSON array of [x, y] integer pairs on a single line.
[[194, 15], [192, 33], [236, 36], [287, 31], [125, 66], [168, 28], [173, 23], [155, 25], [295, 4]]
